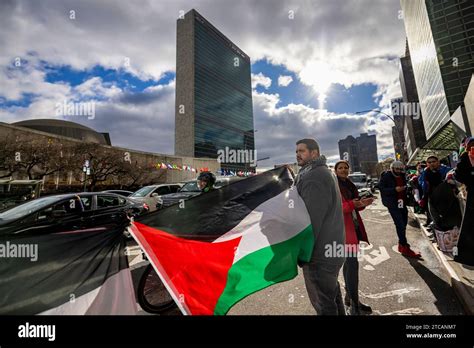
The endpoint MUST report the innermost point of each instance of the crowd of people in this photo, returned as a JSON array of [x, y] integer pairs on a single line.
[[333, 204]]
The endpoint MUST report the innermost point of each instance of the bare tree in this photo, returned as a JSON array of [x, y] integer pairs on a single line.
[[104, 163], [9, 157], [137, 174], [42, 156]]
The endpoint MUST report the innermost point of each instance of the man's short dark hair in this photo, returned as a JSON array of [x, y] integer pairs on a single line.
[[311, 144], [432, 156]]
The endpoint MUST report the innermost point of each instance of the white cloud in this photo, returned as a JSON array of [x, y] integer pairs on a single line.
[[350, 42], [262, 80], [280, 127], [284, 80]]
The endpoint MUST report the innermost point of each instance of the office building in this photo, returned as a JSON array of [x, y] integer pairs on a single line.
[[440, 37], [213, 94], [360, 152], [413, 128]]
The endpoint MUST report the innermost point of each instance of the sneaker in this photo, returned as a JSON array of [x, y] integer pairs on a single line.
[[365, 308], [360, 308], [355, 310], [410, 253]]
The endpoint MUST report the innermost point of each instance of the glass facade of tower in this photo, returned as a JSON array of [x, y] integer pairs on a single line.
[[433, 102], [452, 24], [222, 95], [441, 39]]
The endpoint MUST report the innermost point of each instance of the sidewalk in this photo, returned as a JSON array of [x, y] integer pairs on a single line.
[[461, 276]]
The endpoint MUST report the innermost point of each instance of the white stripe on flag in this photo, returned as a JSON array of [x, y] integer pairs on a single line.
[[115, 296], [274, 221]]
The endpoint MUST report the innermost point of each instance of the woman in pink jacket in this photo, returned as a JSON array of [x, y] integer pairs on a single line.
[[355, 233]]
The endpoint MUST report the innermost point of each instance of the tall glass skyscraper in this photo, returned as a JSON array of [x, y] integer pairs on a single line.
[[440, 36], [213, 93]]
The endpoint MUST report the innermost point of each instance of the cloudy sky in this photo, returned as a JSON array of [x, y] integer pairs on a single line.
[[314, 65]]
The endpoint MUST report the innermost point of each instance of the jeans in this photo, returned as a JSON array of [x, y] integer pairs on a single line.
[[400, 218], [323, 287], [351, 278]]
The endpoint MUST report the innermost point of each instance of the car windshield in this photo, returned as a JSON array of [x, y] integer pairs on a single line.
[[357, 178], [190, 187], [27, 208], [143, 191]]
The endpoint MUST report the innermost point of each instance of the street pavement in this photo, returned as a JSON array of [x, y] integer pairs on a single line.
[[389, 282]]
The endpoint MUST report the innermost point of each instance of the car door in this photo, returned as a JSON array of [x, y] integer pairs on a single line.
[[63, 216], [174, 188], [154, 199], [109, 211]]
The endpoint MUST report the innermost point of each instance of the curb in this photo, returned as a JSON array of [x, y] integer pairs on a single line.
[[458, 286]]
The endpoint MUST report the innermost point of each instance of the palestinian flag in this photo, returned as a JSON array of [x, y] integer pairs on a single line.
[[71, 272], [229, 243]]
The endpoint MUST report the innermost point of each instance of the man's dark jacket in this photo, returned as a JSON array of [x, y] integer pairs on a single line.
[[320, 192], [387, 184]]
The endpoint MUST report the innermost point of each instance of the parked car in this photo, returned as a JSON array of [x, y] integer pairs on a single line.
[[190, 189], [67, 212], [360, 180], [150, 195], [124, 193], [374, 185], [15, 192]]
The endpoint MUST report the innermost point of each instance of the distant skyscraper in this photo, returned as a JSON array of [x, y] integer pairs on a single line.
[[360, 152], [213, 93], [349, 151], [413, 128], [399, 143], [368, 157], [441, 40]]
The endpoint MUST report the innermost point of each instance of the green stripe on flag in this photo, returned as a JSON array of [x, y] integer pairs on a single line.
[[264, 267]]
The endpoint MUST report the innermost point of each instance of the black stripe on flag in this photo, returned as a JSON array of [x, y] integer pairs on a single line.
[[210, 215], [69, 265]]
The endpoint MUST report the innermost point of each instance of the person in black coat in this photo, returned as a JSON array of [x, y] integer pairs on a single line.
[[465, 174], [393, 187]]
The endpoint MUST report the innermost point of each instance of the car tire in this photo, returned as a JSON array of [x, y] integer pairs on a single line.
[[152, 294]]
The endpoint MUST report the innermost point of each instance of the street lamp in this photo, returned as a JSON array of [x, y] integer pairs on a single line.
[[399, 131], [87, 171]]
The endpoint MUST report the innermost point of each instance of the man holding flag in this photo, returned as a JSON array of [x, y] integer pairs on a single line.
[[319, 190]]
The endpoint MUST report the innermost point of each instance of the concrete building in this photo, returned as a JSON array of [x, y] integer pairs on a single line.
[[349, 151], [360, 152], [213, 93], [440, 37], [27, 132], [67, 129]]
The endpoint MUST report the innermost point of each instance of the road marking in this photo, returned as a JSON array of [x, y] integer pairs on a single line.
[[398, 292], [407, 311], [379, 256]]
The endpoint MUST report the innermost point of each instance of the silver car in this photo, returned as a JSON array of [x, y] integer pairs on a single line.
[[150, 195]]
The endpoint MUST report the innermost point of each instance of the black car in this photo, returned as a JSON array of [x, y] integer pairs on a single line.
[[124, 193], [191, 189], [69, 212]]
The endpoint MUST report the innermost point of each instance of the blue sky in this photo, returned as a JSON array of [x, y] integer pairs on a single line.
[[123, 58], [339, 99]]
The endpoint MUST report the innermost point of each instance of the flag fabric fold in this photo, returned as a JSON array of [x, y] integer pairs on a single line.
[[75, 273], [219, 247]]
